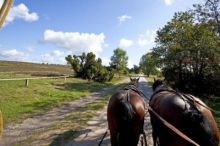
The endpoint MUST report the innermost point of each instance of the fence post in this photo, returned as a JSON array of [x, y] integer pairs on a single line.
[[26, 82], [1, 124]]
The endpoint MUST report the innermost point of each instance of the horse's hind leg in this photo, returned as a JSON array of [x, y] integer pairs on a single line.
[[145, 138], [142, 141], [154, 135]]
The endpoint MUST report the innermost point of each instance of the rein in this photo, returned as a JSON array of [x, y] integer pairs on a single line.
[[104, 135]]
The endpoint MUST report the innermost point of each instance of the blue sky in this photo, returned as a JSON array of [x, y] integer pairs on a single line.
[[48, 30]]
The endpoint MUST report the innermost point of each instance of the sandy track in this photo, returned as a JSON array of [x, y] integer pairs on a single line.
[[98, 125]]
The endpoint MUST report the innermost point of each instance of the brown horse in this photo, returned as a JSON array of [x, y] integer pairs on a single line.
[[125, 115], [186, 113]]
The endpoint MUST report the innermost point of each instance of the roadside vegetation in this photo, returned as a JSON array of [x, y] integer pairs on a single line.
[[42, 95], [18, 101]]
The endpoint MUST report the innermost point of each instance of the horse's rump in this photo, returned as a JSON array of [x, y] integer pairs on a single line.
[[125, 115], [190, 117]]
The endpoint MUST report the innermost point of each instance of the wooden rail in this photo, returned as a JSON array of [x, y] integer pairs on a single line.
[[27, 79]]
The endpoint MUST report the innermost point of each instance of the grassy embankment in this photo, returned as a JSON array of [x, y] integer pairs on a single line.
[[16, 100]]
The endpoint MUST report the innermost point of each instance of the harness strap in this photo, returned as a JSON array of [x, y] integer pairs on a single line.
[[135, 89], [189, 97], [171, 127]]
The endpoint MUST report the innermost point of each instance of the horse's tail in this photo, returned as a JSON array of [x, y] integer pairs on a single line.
[[127, 112], [126, 133]]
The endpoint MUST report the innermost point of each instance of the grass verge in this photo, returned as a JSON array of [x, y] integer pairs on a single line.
[[18, 101], [66, 129]]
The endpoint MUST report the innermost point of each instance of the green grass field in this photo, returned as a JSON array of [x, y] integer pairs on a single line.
[[18, 101]]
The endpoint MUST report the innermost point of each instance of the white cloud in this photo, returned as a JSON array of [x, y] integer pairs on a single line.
[[75, 41], [10, 53], [13, 54], [125, 43], [21, 11], [130, 64], [105, 61], [30, 49], [147, 39], [54, 57], [169, 2], [124, 18]]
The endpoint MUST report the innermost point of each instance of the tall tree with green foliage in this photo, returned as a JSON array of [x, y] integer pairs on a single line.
[[209, 12], [119, 61], [148, 64], [135, 69], [188, 50]]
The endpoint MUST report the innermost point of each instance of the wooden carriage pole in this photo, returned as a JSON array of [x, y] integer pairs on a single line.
[[4, 10], [3, 13]]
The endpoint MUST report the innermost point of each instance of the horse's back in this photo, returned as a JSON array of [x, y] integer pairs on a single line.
[[195, 121], [169, 106]]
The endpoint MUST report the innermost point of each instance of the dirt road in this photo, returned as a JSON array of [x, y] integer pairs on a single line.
[[27, 132], [97, 127]]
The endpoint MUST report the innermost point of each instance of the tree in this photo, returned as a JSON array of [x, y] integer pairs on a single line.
[[74, 61], [209, 12], [135, 69], [88, 67], [188, 51], [148, 64], [119, 61]]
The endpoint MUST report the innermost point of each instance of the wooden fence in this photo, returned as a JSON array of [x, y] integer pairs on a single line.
[[37, 78]]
